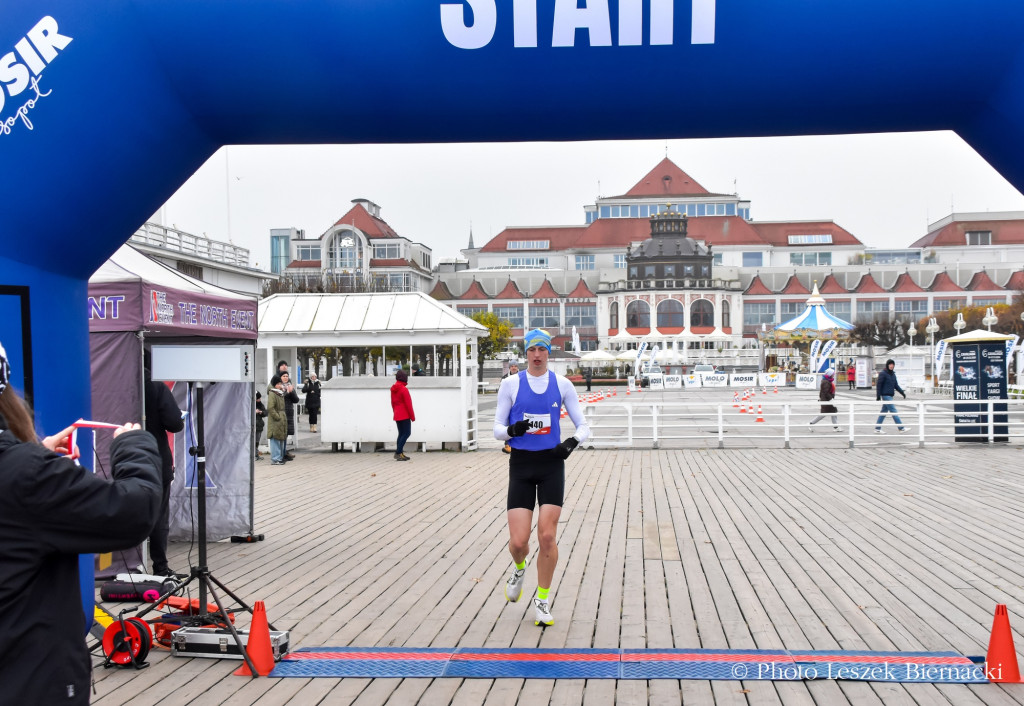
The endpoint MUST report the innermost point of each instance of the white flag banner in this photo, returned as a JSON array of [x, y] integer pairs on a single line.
[[940, 352], [575, 341], [1011, 343], [826, 351], [654, 354], [812, 363], [640, 352]]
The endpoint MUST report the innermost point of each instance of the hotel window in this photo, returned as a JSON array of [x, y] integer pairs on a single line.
[[815, 239], [584, 262], [528, 245], [979, 237], [649, 271], [512, 314], [581, 315], [810, 258], [387, 251], [717, 258], [726, 319], [873, 310], [527, 262], [908, 310], [792, 309], [470, 310], [613, 315], [307, 252], [670, 271], [702, 313], [620, 262], [638, 314], [544, 316], [670, 313], [752, 259], [947, 304], [755, 313], [839, 308]]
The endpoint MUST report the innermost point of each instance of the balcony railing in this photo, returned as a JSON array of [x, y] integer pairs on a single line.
[[675, 283], [164, 238]]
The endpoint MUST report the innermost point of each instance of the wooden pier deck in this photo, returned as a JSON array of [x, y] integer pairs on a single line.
[[877, 549]]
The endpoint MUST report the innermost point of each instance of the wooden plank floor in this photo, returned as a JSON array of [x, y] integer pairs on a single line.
[[881, 549]]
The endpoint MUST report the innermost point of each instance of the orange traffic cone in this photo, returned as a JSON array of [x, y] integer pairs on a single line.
[[1001, 660], [743, 407], [764, 390], [760, 417], [776, 389], [258, 647]]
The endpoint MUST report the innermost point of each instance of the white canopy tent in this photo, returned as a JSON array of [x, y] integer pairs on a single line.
[[357, 408]]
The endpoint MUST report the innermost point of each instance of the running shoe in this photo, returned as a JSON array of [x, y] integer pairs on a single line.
[[543, 614], [904, 430], [514, 585], [879, 431]]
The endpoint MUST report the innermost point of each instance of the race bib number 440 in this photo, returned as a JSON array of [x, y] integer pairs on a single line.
[[539, 423]]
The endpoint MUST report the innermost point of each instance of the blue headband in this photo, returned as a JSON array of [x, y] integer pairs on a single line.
[[537, 337]]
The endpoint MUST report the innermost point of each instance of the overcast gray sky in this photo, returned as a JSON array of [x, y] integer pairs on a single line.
[[885, 189]]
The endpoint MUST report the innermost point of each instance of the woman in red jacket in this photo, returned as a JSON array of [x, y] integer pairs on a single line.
[[401, 403]]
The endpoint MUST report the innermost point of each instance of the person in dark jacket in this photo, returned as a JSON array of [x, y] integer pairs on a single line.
[[277, 421], [311, 389], [291, 398], [588, 376], [885, 388], [261, 421], [162, 417], [401, 404], [52, 510], [826, 393]]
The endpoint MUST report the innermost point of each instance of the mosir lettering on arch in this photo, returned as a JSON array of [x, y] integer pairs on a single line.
[[32, 54], [594, 17]]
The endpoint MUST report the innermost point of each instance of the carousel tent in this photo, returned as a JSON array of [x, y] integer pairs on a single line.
[[815, 318], [136, 302]]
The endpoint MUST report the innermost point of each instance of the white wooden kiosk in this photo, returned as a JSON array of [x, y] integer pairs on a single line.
[[356, 409]]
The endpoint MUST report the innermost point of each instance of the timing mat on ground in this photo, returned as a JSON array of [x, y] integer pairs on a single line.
[[527, 663]]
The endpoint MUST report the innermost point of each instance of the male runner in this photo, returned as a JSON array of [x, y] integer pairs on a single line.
[[529, 406]]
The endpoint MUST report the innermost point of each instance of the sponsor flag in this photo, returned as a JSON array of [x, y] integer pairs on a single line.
[[940, 352], [815, 347], [640, 353], [826, 351], [575, 341], [654, 354], [1011, 343]]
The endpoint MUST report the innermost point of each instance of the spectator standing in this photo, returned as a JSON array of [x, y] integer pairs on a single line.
[[162, 418], [588, 375], [291, 398], [277, 425], [401, 404], [851, 375], [826, 393], [52, 510], [261, 414], [311, 389], [885, 388]]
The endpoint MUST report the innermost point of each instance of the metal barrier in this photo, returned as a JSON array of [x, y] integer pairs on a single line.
[[626, 424]]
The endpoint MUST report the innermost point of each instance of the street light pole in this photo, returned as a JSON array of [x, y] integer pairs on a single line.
[[931, 329]]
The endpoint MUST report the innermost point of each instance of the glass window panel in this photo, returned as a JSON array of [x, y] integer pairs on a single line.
[[701, 209]]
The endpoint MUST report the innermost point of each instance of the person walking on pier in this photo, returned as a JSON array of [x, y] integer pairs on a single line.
[[887, 386], [826, 393]]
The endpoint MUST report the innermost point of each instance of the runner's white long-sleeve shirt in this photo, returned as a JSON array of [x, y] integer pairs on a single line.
[[539, 384]]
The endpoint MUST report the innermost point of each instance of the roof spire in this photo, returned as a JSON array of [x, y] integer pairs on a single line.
[[471, 246]]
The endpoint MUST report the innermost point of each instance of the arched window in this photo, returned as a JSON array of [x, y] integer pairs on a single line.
[[702, 313], [725, 314], [638, 314], [613, 316], [670, 314]]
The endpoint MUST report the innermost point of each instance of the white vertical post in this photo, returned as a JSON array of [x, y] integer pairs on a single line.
[[920, 424], [654, 425], [721, 431], [785, 424]]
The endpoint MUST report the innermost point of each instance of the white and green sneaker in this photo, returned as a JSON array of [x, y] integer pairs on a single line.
[[514, 585], [543, 614]]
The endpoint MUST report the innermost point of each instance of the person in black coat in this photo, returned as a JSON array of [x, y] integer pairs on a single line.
[[885, 389], [311, 389], [52, 510], [261, 417], [291, 398], [162, 417]]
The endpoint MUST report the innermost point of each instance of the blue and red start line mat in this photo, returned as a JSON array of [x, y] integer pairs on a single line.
[[495, 663]]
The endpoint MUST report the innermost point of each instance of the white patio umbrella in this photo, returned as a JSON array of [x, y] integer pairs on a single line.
[[623, 337], [598, 357], [627, 356]]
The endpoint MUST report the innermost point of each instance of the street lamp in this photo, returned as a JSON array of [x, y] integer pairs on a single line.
[[990, 319], [911, 331], [931, 329]]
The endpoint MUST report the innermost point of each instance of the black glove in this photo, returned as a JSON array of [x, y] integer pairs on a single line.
[[904, 394], [878, 399], [563, 450], [519, 428]]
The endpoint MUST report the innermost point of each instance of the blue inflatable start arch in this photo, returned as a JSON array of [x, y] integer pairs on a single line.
[[107, 107]]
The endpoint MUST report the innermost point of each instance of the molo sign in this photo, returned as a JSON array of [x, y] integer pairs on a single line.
[[21, 70], [595, 18]]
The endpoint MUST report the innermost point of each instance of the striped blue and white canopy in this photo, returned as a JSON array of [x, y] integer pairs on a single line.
[[815, 317]]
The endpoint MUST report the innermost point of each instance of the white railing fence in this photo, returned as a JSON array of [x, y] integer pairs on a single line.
[[659, 424]]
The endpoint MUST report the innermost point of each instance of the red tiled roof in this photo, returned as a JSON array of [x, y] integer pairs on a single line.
[[904, 283], [475, 291], [1016, 281], [944, 283], [441, 291], [511, 291], [954, 234], [374, 227], [582, 291], [559, 238], [756, 286], [868, 285], [666, 179], [982, 282], [794, 286], [303, 263], [546, 291], [777, 233], [830, 285]]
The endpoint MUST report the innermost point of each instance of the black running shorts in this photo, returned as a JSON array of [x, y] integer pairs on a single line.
[[535, 478]]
